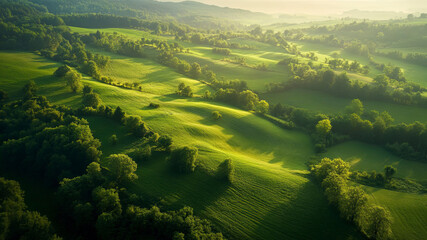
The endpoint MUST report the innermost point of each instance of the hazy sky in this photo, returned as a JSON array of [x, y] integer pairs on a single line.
[[319, 7]]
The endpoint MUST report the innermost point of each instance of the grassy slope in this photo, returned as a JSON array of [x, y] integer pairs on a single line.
[[271, 197], [409, 212], [321, 102]]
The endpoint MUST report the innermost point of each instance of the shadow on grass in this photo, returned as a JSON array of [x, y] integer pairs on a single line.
[[307, 215]]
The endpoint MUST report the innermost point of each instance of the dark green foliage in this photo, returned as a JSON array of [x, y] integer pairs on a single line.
[[73, 80], [225, 171], [119, 115], [113, 139], [372, 220], [216, 115], [141, 154], [222, 51], [184, 91], [92, 100], [59, 145], [122, 168], [183, 160], [154, 105], [87, 89], [62, 71], [16, 222], [112, 213], [30, 90], [136, 126], [389, 171]]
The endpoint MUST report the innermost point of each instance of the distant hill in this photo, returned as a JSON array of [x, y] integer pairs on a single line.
[[189, 12], [374, 15]]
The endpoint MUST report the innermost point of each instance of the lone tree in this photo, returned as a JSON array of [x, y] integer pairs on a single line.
[[73, 80], [389, 171], [216, 115], [61, 71], [119, 115], [356, 106], [92, 100], [184, 91], [184, 159], [225, 171]]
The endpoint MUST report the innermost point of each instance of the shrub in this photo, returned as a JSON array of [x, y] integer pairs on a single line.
[[225, 171], [216, 115], [184, 159], [154, 105]]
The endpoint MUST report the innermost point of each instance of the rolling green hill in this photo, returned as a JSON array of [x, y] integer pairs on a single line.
[[271, 197]]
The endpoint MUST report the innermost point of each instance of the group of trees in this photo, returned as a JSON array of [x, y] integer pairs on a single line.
[[222, 51], [391, 86], [416, 58], [184, 91], [352, 202], [16, 221], [45, 141], [246, 99], [50, 143], [98, 205], [408, 141], [353, 66]]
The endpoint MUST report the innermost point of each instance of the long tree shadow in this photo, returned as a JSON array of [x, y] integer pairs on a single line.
[[306, 216]]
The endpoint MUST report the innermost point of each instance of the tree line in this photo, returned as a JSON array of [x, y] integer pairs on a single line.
[[391, 86], [352, 202], [408, 141]]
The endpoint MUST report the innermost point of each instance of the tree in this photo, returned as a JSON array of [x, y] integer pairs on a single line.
[[91, 69], [352, 201], [225, 171], [262, 107], [73, 80], [61, 71], [375, 222], [216, 115], [187, 92], [389, 171], [92, 100], [165, 142], [355, 106], [119, 115], [323, 127], [196, 71], [113, 139], [87, 89], [184, 159], [122, 168], [328, 166]]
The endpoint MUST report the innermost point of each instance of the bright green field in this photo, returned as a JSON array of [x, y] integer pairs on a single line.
[[367, 157], [324, 103], [271, 198], [203, 55]]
